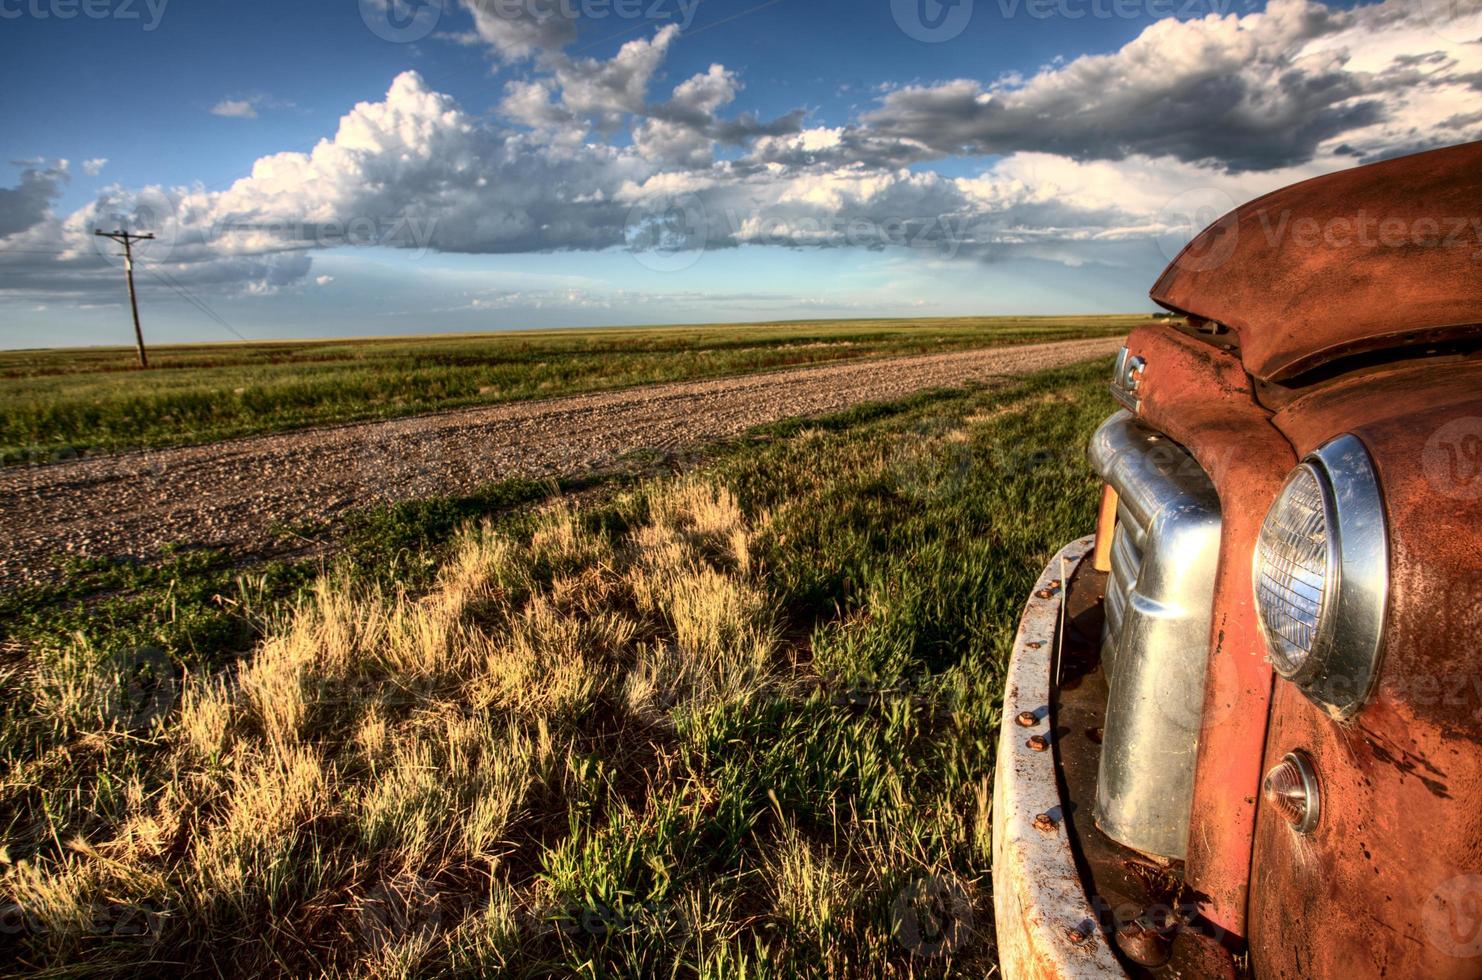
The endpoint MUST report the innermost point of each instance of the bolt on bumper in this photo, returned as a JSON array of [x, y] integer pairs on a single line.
[[1047, 927]]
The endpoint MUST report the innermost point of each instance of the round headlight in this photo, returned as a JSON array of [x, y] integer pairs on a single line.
[[1294, 571], [1322, 576]]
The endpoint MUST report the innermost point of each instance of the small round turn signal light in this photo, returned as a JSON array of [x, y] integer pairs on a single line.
[[1292, 791]]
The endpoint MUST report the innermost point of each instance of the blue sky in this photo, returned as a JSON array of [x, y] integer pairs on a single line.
[[315, 170]]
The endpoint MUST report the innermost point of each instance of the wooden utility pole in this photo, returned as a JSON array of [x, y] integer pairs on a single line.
[[127, 240]]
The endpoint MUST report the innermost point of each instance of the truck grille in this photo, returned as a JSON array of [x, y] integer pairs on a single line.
[[1159, 600]]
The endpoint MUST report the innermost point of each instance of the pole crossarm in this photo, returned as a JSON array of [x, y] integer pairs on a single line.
[[124, 236]]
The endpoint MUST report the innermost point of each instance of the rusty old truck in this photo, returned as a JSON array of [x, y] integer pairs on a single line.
[[1243, 724]]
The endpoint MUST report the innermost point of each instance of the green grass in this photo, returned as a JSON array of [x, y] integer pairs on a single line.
[[736, 722], [56, 404]]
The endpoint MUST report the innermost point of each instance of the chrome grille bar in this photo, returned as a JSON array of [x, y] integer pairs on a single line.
[[1155, 648]]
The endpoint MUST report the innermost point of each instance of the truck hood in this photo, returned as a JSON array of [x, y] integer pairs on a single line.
[[1384, 255]]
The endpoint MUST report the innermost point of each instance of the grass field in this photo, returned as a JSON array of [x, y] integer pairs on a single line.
[[60, 403], [738, 721]]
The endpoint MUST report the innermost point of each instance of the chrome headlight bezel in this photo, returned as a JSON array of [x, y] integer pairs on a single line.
[[1340, 670]]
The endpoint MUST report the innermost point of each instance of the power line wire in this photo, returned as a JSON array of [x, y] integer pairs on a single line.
[[195, 301], [734, 17], [37, 251], [642, 25], [164, 278]]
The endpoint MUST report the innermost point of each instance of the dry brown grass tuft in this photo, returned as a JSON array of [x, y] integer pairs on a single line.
[[811, 891], [380, 754]]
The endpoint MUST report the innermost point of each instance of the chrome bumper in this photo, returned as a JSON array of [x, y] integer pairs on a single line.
[[1047, 927]]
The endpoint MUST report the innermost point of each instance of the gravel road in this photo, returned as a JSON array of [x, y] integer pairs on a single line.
[[233, 493]]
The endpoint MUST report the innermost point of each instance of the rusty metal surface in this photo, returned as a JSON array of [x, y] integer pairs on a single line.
[[1197, 956], [1201, 397], [1358, 260], [1045, 920], [1390, 881]]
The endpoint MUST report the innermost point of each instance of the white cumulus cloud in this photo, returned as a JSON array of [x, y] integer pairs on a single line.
[[235, 109], [1090, 154]]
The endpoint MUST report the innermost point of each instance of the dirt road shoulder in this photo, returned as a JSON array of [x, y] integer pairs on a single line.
[[233, 494]]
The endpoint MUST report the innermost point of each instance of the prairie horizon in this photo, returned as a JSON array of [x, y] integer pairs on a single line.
[[61, 403]]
